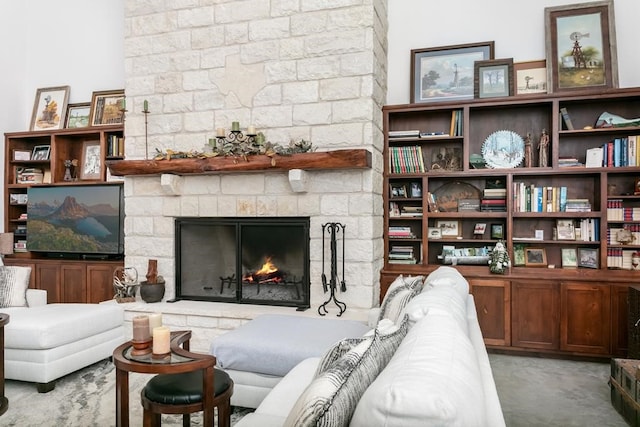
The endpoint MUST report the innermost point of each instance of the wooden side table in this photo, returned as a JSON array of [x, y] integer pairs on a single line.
[[4, 402]]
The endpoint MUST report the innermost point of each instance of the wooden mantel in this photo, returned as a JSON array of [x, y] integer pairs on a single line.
[[337, 159]]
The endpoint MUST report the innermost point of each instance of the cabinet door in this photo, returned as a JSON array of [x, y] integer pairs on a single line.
[[99, 282], [74, 283], [493, 299], [586, 317], [534, 320], [48, 279], [619, 320]]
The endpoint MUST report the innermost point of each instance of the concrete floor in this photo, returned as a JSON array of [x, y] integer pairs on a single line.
[[537, 391]]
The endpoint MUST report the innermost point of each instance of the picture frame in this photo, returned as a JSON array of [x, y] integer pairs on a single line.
[[49, 108], [398, 190], [22, 155], [41, 152], [91, 161], [569, 258], [479, 230], [535, 257], [588, 257], [433, 78], [78, 115], [449, 229], [518, 255], [497, 231], [416, 190], [434, 233], [107, 108], [493, 78], [581, 47], [530, 77], [565, 229]]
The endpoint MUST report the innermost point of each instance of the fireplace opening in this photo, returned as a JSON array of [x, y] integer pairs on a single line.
[[243, 260]]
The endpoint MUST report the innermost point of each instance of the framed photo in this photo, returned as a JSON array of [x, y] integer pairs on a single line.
[[91, 163], [49, 108], [581, 47], [530, 77], [493, 78], [445, 73], [107, 108], [21, 155], [497, 231], [479, 229], [398, 190], [535, 257], [569, 258], [434, 233], [41, 152], [588, 257], [518, 255], [78, 115], [449, 228], [565, 229], [416, 190]]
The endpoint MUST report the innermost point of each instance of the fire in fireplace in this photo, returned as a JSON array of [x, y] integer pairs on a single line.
[[243, 260]]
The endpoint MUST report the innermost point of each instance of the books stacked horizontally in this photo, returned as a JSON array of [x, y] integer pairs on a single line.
[[494, 200], [569, 162], [399, 134], [402, 255], [401, 232], [406, 159], [577, 205]]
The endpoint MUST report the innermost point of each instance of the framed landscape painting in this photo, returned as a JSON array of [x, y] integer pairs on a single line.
[[530, 77], [50, 108]]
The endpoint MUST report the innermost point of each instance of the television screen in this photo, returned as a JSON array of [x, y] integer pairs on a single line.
[[75, 219]]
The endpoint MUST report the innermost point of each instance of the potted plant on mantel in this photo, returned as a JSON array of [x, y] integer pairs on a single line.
[[152, 289]]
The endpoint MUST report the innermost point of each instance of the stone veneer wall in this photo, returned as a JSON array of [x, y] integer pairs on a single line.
[[295, 69]]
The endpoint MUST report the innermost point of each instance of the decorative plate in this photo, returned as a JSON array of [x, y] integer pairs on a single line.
[[503, 149], [448, 195]]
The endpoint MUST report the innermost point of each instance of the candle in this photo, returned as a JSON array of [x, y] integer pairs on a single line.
[[124, 104], [146, 105], [220, 132], [161, 340], [251, 130], [212, 143], [141, 328], [155, 320], [235, 126]]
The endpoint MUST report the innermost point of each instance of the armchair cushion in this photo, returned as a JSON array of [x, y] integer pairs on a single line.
[[14, 281]]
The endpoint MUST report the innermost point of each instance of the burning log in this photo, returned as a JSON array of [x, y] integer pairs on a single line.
[[269, 273]]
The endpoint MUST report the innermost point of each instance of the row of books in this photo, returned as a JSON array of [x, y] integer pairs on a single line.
[[401, 232], [399, 210], [619, 258], [531, 198], [588, 230], [406, 159], [456, 123], [402, 255], [617, 212], [619, 152], [115, 146], [614, 233]]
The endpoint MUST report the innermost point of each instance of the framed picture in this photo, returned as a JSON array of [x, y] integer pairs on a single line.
[[530, 77], [49, 108], [41, 152], [581, 47], [565, 229], [398, 190], [78, 115], [21, 155], [493, 78], [107, 108], [434, 233], [449, 228], [518, 255], [91, 163], [416, 190], [479, 229], [497, 231], [569, 258], [535, 257], [445, 73], [588, 257]]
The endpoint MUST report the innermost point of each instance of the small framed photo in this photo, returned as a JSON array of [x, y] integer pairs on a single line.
[[449, 229], [398, 190], [41, 152], [107, 108], [434, 233], [535, 257], [569, 258], [493, 78], [518, 255], [565, 229], [91, 163], [49, 108], [78, 115], [497, 231], [588, 257], [538, 234], [21, 155], [479, 229], [530, 77], [416, 190]]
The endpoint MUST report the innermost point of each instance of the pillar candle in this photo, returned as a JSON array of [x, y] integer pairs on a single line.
[[161, 340], [146, 105], [251, 130], [235, 126], [124, 104], [155, 320], [141, 328], [220, 132]]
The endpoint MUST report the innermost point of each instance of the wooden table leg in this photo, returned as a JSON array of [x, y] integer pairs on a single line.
[[207, 397], [122, 398]]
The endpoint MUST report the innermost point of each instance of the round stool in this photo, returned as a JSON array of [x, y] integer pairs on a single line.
[[182, 394]]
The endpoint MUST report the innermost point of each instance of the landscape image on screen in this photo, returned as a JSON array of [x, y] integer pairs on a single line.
[[74, 219]]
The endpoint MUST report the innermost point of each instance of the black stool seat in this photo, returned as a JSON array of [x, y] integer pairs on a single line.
[[185, 388]]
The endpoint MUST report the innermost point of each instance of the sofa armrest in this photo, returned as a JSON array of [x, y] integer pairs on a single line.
[[36, 297]]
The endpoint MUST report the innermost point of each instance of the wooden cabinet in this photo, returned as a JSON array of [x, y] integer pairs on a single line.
[[585, 318], [534, 314], [493, 305]]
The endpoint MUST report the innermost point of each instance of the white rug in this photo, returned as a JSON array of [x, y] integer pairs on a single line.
[[85, 398]]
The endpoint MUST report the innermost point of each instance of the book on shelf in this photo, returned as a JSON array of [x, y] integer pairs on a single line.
[[414, 133], [406, 159], [411, 211], [594, 157], [569, 162], [566, 118], [468, 205], [531, 198]]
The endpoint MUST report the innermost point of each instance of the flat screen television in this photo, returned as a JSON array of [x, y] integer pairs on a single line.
[[80, 221]]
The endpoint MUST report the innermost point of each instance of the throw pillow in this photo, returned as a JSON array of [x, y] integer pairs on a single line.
[[336, 351], [14, 281], [330, 399], [398, 295]]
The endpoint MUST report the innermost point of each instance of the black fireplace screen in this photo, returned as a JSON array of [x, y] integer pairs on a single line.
[[244, 260]]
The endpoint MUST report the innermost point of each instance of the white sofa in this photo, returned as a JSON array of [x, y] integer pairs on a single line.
[[44, 342], [439, 373]]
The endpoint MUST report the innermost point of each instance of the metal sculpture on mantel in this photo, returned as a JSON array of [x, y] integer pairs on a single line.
[[332, 228]]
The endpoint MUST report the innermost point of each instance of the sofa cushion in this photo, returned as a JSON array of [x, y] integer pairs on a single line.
[[398, 295], [447, 276], [331, 398], [433, 379], [442, 300], [14, 281]]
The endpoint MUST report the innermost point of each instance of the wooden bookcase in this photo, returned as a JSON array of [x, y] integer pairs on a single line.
[[549, 307], [65, 280]]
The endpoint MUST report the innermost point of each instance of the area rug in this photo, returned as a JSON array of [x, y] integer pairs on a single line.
[[86, 398]]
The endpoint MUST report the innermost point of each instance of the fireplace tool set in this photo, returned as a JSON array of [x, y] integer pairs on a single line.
[[332, 228]]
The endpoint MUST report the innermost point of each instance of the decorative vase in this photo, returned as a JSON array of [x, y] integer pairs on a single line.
[[151, 292]]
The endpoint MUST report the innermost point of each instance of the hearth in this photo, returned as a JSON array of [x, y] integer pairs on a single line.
[[243, 260]]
